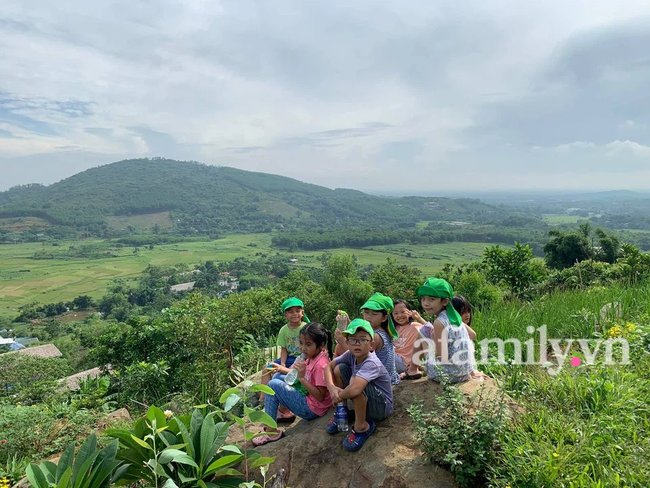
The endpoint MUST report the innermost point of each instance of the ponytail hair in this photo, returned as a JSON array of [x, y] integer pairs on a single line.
[[320, 335]]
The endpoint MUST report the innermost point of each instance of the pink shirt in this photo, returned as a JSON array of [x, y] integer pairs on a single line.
[[315, 374], [408, 334]]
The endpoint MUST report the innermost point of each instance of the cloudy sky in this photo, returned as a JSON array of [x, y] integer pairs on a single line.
[[378, 95]]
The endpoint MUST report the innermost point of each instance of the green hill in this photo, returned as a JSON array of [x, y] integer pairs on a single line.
[[196, 198]]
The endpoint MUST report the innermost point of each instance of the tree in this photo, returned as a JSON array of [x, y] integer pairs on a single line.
[[397, 281], [564, 250], [340, 278], [514, 268], [82, 302], [610, 247]]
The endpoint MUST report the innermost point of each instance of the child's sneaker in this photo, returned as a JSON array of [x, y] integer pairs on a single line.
[[332, 427], [355, 441]]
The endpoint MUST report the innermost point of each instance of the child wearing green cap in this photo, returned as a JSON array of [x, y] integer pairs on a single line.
[[448, 353], [359, 375], [378, 311], [289, 344]]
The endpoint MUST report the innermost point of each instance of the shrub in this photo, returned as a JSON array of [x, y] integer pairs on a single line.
[[461, 432]]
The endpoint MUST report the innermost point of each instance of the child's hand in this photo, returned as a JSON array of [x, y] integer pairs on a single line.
[[300, 366], [335, 393], [278, 368], [340, 338], [415, 315]]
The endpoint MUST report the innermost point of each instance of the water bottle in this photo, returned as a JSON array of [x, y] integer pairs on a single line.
[[343, 321], [341, 416], [292, 375]]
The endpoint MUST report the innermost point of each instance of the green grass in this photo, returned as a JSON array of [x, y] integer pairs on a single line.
[[589, 425], [145, 221], [557, 219], [24, 280]]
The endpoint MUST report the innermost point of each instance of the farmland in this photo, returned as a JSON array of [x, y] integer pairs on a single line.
[[61, 277]]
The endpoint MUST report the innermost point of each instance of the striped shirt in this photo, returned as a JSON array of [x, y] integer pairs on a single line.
[[387, 355]]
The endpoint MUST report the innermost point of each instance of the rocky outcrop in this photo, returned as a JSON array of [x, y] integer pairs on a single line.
[[390, 458]]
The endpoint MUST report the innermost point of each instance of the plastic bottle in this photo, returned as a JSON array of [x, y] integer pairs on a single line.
[[341, 416], [292, 375], [343, 321]]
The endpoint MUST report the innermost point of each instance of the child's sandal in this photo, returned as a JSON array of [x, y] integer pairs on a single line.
[[265, 439]]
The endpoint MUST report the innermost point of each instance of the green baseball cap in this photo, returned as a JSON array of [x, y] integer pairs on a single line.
[[381, 302], [357, 324], [294, 302]]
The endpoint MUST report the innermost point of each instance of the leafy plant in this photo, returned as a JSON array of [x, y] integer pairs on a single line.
[[461, 432], [13, 469], [91, 468], [176, 451]]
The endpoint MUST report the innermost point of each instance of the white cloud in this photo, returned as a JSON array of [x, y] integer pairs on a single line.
[[310, 89]]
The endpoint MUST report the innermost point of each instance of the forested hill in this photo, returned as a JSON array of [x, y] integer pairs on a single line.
[[210, 199]]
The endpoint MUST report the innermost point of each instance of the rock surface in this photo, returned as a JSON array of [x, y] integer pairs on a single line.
[[390, 458]]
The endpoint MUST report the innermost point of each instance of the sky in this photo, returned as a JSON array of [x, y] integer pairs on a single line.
[[382, 96]]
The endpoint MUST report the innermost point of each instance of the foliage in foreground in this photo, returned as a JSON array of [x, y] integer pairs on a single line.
[[165, 450]]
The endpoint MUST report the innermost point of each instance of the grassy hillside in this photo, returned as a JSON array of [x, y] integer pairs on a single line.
[[24, 279], [209, 199]]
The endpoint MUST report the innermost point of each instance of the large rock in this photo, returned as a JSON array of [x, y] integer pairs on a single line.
[[390, 458]]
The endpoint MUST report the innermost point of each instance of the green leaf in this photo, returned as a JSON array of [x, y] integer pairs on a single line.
[[141, 443], [49, 470], [36, 476], [262, 461], [185, 479], [231, 401], [237, 420], [154, 413], [158, 431], [227, 472], [64, 480], [87, 449], [170, 484], [224, 462], [168, 455], [186, 436], [80, 477], [207, 439], [247, 384], [185, 459], [263, 417], [65, 462], [228, 392], [204, 405], [231, 448], [201, 484], [262, 388]]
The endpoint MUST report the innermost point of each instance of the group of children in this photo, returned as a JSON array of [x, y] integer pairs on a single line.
[[372, 354]]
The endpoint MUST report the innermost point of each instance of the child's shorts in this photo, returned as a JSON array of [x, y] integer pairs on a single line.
[[376, 408], [289, 363]]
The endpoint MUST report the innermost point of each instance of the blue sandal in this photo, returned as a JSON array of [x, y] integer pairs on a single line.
[[355, 440]]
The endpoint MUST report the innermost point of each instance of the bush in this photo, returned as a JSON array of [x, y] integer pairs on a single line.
[[39, 431], [476, 288], [461, 432]]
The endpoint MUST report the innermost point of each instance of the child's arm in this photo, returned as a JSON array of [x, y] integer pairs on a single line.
[[283, 356], [354, 389], [329, 381], [378, 343], [439, 342], [470, 331], [318, 392], [341, 347], [280, 369]]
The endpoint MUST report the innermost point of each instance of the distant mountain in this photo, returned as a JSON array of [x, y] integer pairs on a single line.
[[205, 199]]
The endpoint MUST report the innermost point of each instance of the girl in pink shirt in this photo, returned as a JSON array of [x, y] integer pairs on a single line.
[[308, 397], [407, 322]]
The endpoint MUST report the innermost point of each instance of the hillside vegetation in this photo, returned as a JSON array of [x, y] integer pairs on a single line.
[[210, 199]]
